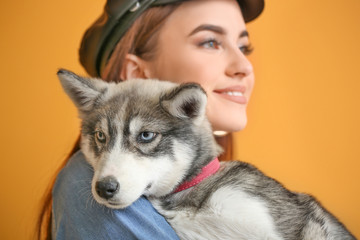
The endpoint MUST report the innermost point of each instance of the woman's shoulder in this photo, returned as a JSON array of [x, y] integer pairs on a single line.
[[77, 168], [76, 215], [73, 183]]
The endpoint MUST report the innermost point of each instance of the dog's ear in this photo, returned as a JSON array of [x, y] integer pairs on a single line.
[[82, 91], [187, 101]]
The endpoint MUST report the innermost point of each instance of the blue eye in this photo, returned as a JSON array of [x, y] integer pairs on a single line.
[[146, 137], [211, 43], [247, 49]]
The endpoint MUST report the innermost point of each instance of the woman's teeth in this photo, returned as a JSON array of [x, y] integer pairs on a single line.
[[236, 94]]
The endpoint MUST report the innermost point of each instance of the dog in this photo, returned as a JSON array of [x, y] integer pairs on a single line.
[[152, 138]]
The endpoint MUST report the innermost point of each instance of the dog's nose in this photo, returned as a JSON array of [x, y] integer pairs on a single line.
[[107, 187]]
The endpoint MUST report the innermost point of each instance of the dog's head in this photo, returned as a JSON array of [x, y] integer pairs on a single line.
[[140, 136]]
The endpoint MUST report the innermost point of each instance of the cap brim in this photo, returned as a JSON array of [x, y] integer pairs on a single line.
[[251, 9]]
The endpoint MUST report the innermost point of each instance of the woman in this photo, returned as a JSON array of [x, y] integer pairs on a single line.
[[203, 41]]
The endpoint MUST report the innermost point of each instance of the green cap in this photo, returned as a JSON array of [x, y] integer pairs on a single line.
[[102, 36]]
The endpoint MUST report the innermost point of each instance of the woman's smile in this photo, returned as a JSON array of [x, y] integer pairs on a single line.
[[235, 94]]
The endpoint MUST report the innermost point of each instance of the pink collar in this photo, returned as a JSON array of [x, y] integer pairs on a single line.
[[206, 171]]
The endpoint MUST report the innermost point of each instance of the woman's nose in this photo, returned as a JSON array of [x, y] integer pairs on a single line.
[[238, 64]]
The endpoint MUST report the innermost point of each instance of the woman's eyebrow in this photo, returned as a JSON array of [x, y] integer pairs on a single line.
[[244, 34], [216, 29], [208, 27]]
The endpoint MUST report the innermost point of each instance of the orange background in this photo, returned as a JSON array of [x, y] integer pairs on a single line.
[[304, 115]]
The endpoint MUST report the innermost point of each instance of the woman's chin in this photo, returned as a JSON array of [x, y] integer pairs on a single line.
[[231, 126]]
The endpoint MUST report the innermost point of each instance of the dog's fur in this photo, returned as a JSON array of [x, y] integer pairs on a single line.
[[145, 137]]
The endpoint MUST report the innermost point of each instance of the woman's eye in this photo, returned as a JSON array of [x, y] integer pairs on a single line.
[[211, 43], [247, 49], [146, 137], [100, 136]]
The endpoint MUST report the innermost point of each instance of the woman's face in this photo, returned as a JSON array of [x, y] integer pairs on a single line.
[[206, 42]]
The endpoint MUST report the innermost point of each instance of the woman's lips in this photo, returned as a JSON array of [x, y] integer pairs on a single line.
[[234, 94]]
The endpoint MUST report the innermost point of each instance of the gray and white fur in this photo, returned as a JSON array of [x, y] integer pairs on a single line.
[[146, 137]]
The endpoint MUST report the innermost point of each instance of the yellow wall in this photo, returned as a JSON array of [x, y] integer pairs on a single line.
[[303, 118]]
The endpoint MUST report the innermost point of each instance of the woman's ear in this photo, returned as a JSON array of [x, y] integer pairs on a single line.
[[134, 67]]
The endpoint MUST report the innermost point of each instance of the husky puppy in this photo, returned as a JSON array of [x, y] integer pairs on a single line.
[[148, 137]]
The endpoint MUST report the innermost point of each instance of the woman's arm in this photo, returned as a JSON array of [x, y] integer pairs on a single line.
[[76, 215]]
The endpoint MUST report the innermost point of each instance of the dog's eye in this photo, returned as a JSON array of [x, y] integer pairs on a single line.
[[146, 137], [100, 136]]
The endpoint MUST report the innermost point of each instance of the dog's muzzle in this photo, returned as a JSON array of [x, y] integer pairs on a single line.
[[107, 187]]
